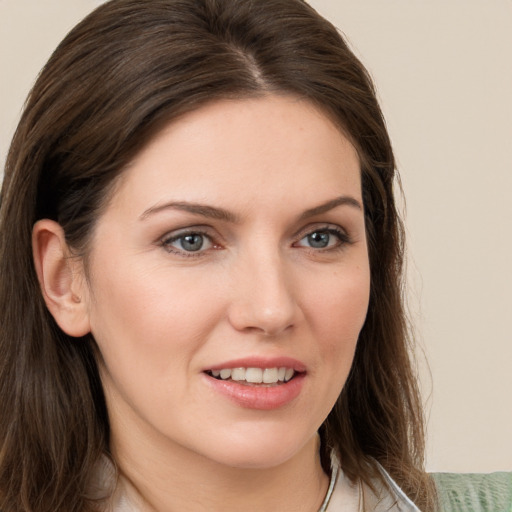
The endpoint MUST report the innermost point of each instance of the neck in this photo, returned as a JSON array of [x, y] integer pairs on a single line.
[[175, 479]]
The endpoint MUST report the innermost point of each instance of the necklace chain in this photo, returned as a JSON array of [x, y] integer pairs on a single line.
[[332, 483]]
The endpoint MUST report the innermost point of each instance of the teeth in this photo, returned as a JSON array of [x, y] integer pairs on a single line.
[[270, 375], [288, 375], [255, 375], [238, 374], [225, 374]]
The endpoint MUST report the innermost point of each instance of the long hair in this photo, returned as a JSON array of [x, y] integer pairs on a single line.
[[119, 76]]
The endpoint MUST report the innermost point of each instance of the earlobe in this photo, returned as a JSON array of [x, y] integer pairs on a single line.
[[61, 278]]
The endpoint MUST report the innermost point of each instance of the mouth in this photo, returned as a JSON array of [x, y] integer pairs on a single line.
[[257, 382], [255, 376]]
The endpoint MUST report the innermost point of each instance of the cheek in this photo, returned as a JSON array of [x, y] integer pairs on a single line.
[[337, 315], [149, 327], [339, 308], [143, 315]]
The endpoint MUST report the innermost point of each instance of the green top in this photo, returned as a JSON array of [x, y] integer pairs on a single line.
[[474, 492]]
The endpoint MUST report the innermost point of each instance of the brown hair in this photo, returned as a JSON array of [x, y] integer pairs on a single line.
[[115, 80]]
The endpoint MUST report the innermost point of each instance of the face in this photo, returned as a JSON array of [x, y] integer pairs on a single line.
[[228, 282]]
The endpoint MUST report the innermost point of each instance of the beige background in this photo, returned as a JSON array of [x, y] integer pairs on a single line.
[[443, 69]]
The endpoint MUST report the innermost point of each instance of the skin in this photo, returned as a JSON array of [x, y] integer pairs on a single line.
[[162, 315]]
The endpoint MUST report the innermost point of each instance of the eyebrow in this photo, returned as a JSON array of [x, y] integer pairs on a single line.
[[196, 208], [213, 212], [330, 205]]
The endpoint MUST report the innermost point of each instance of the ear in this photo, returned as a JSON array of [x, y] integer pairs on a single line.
[[61, 278]]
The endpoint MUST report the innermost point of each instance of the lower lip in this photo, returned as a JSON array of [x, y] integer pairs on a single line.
[[259, 397]]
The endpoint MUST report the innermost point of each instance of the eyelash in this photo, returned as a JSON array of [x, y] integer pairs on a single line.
[[168, 240], [342, 236], [343, 240]]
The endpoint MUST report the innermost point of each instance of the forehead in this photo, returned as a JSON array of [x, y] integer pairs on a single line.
[[238, 150]]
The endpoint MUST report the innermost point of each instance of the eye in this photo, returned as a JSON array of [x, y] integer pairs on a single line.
[[323, 239], [190, 242], [319, 239]]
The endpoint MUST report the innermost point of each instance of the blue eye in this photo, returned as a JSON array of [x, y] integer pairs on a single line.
[[188, 242], [323, 239], [319, 240]]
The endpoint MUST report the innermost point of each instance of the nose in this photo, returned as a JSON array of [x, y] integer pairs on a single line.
[[263, 299]]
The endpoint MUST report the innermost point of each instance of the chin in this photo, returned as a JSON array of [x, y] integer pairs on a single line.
[[255, 460], [260, 451]]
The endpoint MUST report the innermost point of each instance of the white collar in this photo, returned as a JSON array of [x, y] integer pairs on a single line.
[[356, 497]]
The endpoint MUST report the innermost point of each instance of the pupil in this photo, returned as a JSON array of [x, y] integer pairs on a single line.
[[318, 240], [192, 242]]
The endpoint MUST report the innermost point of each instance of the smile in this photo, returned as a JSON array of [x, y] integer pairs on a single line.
[[254, 375], [258, 382]]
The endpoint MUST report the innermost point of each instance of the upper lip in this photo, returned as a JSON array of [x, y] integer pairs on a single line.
[[260, 362]]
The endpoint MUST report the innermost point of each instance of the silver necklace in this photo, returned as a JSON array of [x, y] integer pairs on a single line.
[[332, 483]]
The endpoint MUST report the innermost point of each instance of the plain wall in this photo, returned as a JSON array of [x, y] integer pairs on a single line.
[[443, 71]]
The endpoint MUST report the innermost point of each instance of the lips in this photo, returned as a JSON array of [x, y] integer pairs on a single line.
[[257, 383]]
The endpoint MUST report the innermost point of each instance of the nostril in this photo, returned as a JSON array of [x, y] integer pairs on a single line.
[[266, 322]]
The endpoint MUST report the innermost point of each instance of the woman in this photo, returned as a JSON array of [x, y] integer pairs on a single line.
[[201, 272]]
